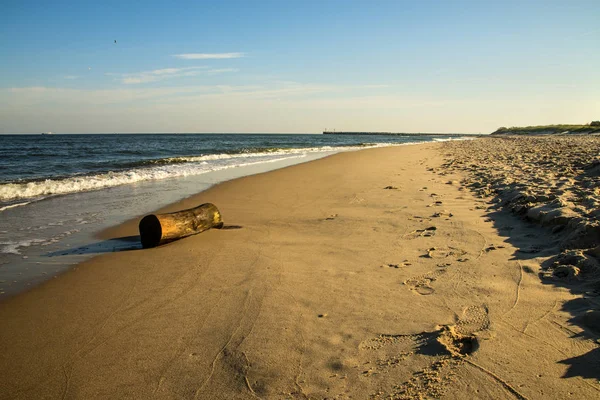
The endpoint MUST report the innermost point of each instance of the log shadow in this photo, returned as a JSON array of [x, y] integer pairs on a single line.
[[115, 245], [228, 227], [126, 243]]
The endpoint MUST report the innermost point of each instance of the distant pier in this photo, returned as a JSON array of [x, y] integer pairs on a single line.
[[390, 133]]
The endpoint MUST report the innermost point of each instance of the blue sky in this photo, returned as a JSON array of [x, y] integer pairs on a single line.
[[297, 66]]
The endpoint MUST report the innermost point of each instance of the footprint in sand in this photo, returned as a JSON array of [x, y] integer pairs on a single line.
[[435, 204], [356, 200], [427, 232], [420, 218], [457, 339], [439, 353], [474, 319], [422, 284], [404, 263], [331, 217], [391, 188], [442, 214], [445, 252], [463, 337], [491, 247]]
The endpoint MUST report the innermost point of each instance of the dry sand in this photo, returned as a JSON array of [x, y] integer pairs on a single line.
[[372, 274]]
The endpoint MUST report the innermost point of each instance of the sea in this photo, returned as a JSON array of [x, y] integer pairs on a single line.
[[58, 191]]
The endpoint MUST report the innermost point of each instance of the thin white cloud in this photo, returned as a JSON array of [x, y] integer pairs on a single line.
[[71, 77], [302, 93], [167, 73], [208, 56], [221, 70], [171, 71]]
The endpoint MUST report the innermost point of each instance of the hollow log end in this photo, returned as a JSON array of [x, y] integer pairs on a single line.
[[150, 231], [217, 220]]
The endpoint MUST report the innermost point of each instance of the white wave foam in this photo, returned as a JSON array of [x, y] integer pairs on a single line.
[[169, 168], [14, 205], [31, 190], [274, 152], [57, 238], [11, 247], [452, 139]]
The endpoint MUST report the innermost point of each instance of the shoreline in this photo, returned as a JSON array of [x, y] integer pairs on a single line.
[[130, 225], [363, 273], [51, 243], [64, 250]]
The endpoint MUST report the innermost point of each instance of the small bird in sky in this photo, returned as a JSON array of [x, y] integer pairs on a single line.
[[115, 41]]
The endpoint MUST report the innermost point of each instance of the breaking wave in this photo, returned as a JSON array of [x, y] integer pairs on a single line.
[[12, 193]]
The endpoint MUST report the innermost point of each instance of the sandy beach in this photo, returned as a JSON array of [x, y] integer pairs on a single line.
[[439, 270]]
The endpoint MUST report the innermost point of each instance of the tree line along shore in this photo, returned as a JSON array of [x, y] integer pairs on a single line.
[[591, 128], [586, 129]]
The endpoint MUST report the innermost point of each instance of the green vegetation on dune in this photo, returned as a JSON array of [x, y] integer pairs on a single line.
[[593, 127]]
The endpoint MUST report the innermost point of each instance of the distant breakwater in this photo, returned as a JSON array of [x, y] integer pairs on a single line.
[[390, 133]]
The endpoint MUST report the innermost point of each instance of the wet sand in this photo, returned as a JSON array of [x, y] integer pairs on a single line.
[[380, 273]]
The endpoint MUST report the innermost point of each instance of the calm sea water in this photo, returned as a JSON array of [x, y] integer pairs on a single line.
[[56, 191]]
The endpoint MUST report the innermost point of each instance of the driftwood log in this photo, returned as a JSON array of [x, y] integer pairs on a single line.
[[157, 229]]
